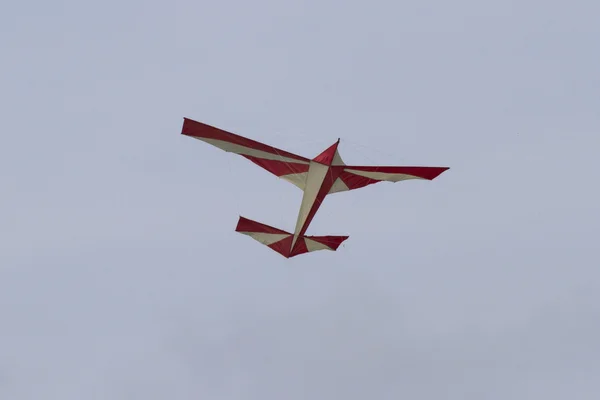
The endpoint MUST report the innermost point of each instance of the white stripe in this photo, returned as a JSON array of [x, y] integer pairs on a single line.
[[312, 245], [316, 175], [248, 151], [266, 238], [337, 160], [382, 176], [338, 186], [297, 179]]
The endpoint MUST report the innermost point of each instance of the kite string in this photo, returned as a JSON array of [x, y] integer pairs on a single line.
[[306, 139], [309, 139], [359, 145], [232, 178]]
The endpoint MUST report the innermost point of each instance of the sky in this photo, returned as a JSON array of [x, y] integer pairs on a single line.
[[121, 276]]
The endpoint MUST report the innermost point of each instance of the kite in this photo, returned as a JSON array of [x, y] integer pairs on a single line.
[[318, 177]]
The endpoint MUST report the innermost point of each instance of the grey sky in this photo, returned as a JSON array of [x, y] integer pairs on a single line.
[[121, 275]]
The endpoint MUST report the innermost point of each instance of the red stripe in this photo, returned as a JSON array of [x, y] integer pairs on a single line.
[[279, 168], [429, 173], [299, 247], [283, 246], [356, 181], [330, 241], [199, 129], [247, 225], [326, 157]]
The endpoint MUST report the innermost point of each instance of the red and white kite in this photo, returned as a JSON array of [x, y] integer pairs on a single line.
[[325, 174]]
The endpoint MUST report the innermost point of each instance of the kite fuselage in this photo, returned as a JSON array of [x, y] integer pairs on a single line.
[[323, 172]]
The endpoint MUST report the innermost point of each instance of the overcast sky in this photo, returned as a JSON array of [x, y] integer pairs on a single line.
[[121, 276]]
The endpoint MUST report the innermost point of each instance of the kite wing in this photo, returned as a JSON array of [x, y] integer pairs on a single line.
[[286, 165], [355, 177]]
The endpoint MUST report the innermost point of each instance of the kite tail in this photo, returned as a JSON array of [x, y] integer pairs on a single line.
[[282, 241]]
